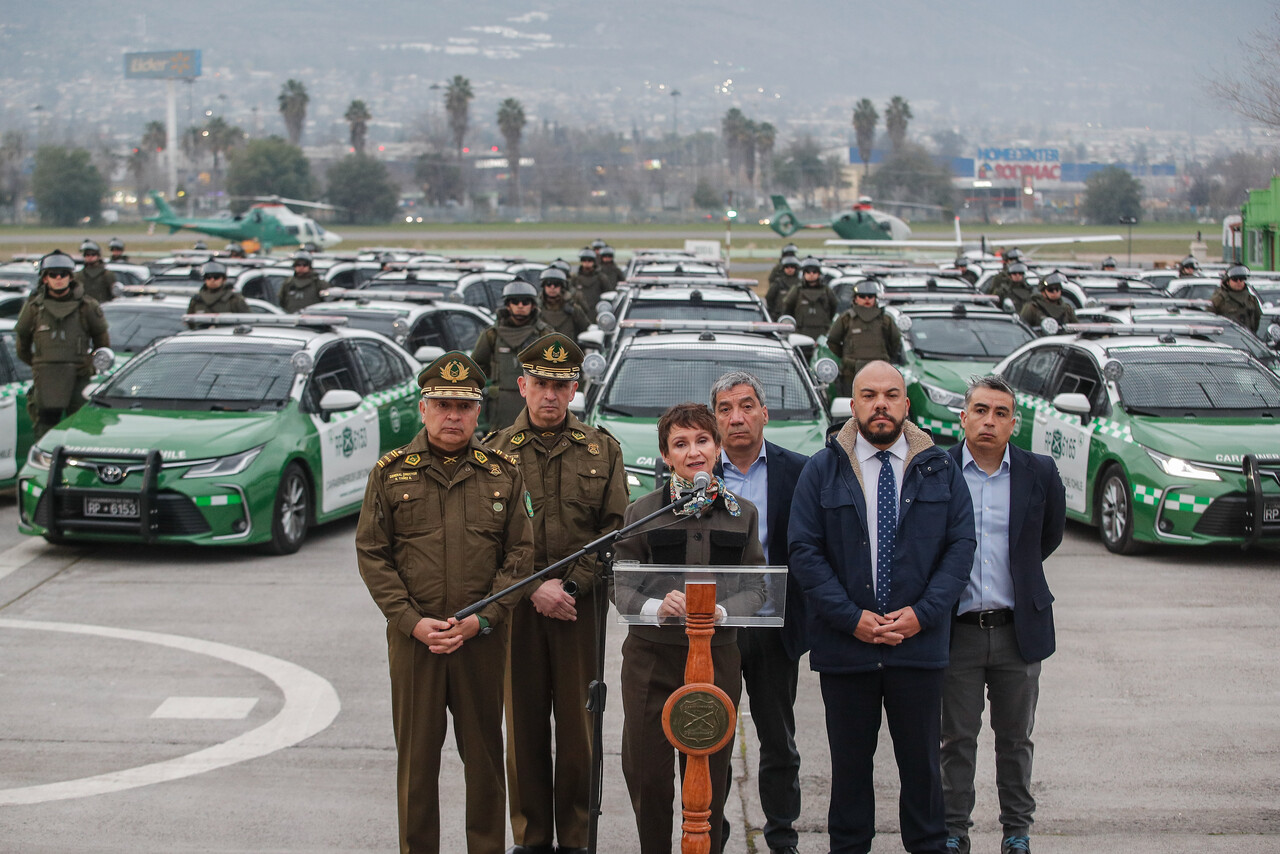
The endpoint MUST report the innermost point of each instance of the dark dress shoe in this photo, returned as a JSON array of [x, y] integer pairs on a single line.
[[563, 850], [531, 849], [790, 849]]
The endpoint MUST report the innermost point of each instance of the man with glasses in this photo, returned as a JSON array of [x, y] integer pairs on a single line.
[[58, 328], [556, 310], [811, 302], [863, 334], [98, 282], [1188, 267], [216, 297], [1014, 287], [303, 288], [1049, 303], [498, 347], [1235, 301]]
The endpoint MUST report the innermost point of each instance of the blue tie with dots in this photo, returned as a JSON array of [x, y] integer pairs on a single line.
[[886, 528]]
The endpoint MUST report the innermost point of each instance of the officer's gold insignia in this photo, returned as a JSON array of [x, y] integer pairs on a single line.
[[480, 457], [578, 435], [412, 460], [518, 439], [555, 353], [388, 457], [454, 372], [508, 457], [514, 459], [593, 448], [494, 470], [402, 476]]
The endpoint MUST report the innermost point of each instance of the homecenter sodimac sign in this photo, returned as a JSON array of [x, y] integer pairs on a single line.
[[162, 65], [1017, 164]]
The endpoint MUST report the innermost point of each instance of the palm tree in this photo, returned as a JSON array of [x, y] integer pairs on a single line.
[[358, 117], [734, 127], [219, 138], [457, 103], [865, 119], [293, 106], [154, 138], [511, 122], [766, 136], [896, 115]]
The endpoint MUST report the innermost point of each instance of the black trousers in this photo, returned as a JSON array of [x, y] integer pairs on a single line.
[[912, 703], [770, 678]]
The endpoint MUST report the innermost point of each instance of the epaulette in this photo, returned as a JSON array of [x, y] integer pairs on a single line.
[[488, 436], [502, 454], [600, 429], [518, 439], [389, 456]]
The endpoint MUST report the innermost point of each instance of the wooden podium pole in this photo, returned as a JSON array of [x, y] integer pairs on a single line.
[[698, 718]]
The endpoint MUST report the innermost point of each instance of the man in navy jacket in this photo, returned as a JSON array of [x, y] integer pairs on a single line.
[[882, 558], [766, 475], [1004, 621]]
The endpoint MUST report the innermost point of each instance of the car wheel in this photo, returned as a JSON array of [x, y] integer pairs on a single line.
[[291, 512], [1115, 514]]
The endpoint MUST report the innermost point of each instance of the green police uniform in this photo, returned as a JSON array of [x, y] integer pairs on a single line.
[[98, 282], [55, 336], [813, 308], [861, 335], [563, 315], [1004, 287], [587, 288], [779, 287], [437, 532], [495, 352], [1241, 306], [576, 478], [612, 274], [217, 301], [1039, 308], [298, 292]]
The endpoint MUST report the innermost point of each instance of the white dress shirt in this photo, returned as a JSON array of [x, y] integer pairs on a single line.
[[866, 454]]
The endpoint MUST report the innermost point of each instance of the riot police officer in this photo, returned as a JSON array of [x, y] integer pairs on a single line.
[[497, 347], [789, 250], [609, 269], [1000, 280], [967, 272], [781, 285], [1049, 303], [303, 287], [216, 296], [863, 334], [587, 284], [116, 247], [1109, 263], [98, 282], [234, 250], [1015, 287], [1234, 300], [1188, 267], [57, 330], [811, 303], [555, 309]]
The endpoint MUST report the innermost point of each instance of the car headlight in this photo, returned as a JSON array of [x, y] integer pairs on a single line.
[[943, 397], [225, 466], [1180, 468], [39, 458]]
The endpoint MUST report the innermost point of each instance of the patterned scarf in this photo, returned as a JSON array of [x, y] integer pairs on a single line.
[[716, 489]]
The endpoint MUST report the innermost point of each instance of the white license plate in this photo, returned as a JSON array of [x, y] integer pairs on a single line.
[[111, 508], [1271, 511]]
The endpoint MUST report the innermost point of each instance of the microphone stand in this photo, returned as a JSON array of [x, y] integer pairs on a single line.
[[597, 690]]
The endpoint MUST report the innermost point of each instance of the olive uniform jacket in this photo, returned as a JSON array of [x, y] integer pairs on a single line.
[[55, 337], [1241, 306], [1035, 312], [98, 282], [218, 301], [298, 292], [718, 538], [428, 545], [578, 488]]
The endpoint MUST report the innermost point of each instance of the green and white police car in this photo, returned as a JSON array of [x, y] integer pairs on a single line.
[[246, 430], [650, 373], [15, 424], [1161, 434]]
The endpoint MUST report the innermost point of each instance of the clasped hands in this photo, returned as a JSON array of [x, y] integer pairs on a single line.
[[890, 629], [446, 636]]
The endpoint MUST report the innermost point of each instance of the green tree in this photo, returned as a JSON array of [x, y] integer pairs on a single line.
[[154, 138], [1111, 193], [800, 169], [13, 150], [910, 174], [270, 166], [896, 115], [737, 131], [511, 122], [440, 180], [766, 137], [865, 119], [219, 139], [358, 117], [359, 184], [457, 104], [67, 186], [293, 107], [950, 143], [706, 196]]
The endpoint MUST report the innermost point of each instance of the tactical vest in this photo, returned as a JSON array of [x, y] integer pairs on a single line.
[[208, 301], [863, 340], [560, 319], [97, 282], [813, 312], [510, 340]]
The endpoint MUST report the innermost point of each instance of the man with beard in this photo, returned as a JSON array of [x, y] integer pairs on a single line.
[[517, 327], [882, 541], [863, 334]]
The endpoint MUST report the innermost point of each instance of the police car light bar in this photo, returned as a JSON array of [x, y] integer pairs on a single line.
[[1153, 302], [684, 281], [156, 291], [1135, 329], [372, 294], [693, 325], [985, 299], [296, 321]]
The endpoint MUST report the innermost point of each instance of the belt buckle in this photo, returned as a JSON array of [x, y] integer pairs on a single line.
[[982, 620]]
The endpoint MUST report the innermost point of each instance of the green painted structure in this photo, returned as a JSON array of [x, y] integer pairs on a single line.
[[1260, 228]]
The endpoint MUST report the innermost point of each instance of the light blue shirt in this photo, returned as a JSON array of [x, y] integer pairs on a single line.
[[753, 485], [990, 581]]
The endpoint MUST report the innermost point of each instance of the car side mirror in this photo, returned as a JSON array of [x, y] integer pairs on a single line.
[[578, 406], [1073, 403], [339, 400], [427, 354]]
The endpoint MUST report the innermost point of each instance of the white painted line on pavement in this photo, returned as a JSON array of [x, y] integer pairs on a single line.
[[16, 557], [206, 708], [310, 705]]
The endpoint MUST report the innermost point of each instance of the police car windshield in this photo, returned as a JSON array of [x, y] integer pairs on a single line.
[[651, 380], [688, 310], [133, 327], [1196, 382], [979, 338], [201, 375]]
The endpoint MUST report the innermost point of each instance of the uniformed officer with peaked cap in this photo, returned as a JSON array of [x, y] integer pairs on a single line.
[[445, 523], [576, 477]]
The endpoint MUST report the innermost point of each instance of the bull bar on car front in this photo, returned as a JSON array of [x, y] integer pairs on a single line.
[[147, 523]]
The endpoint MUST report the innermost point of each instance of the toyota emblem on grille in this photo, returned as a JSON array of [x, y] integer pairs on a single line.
[[110, 474]]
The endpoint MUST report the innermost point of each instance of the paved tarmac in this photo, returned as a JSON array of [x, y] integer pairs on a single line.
[[175, 700]]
